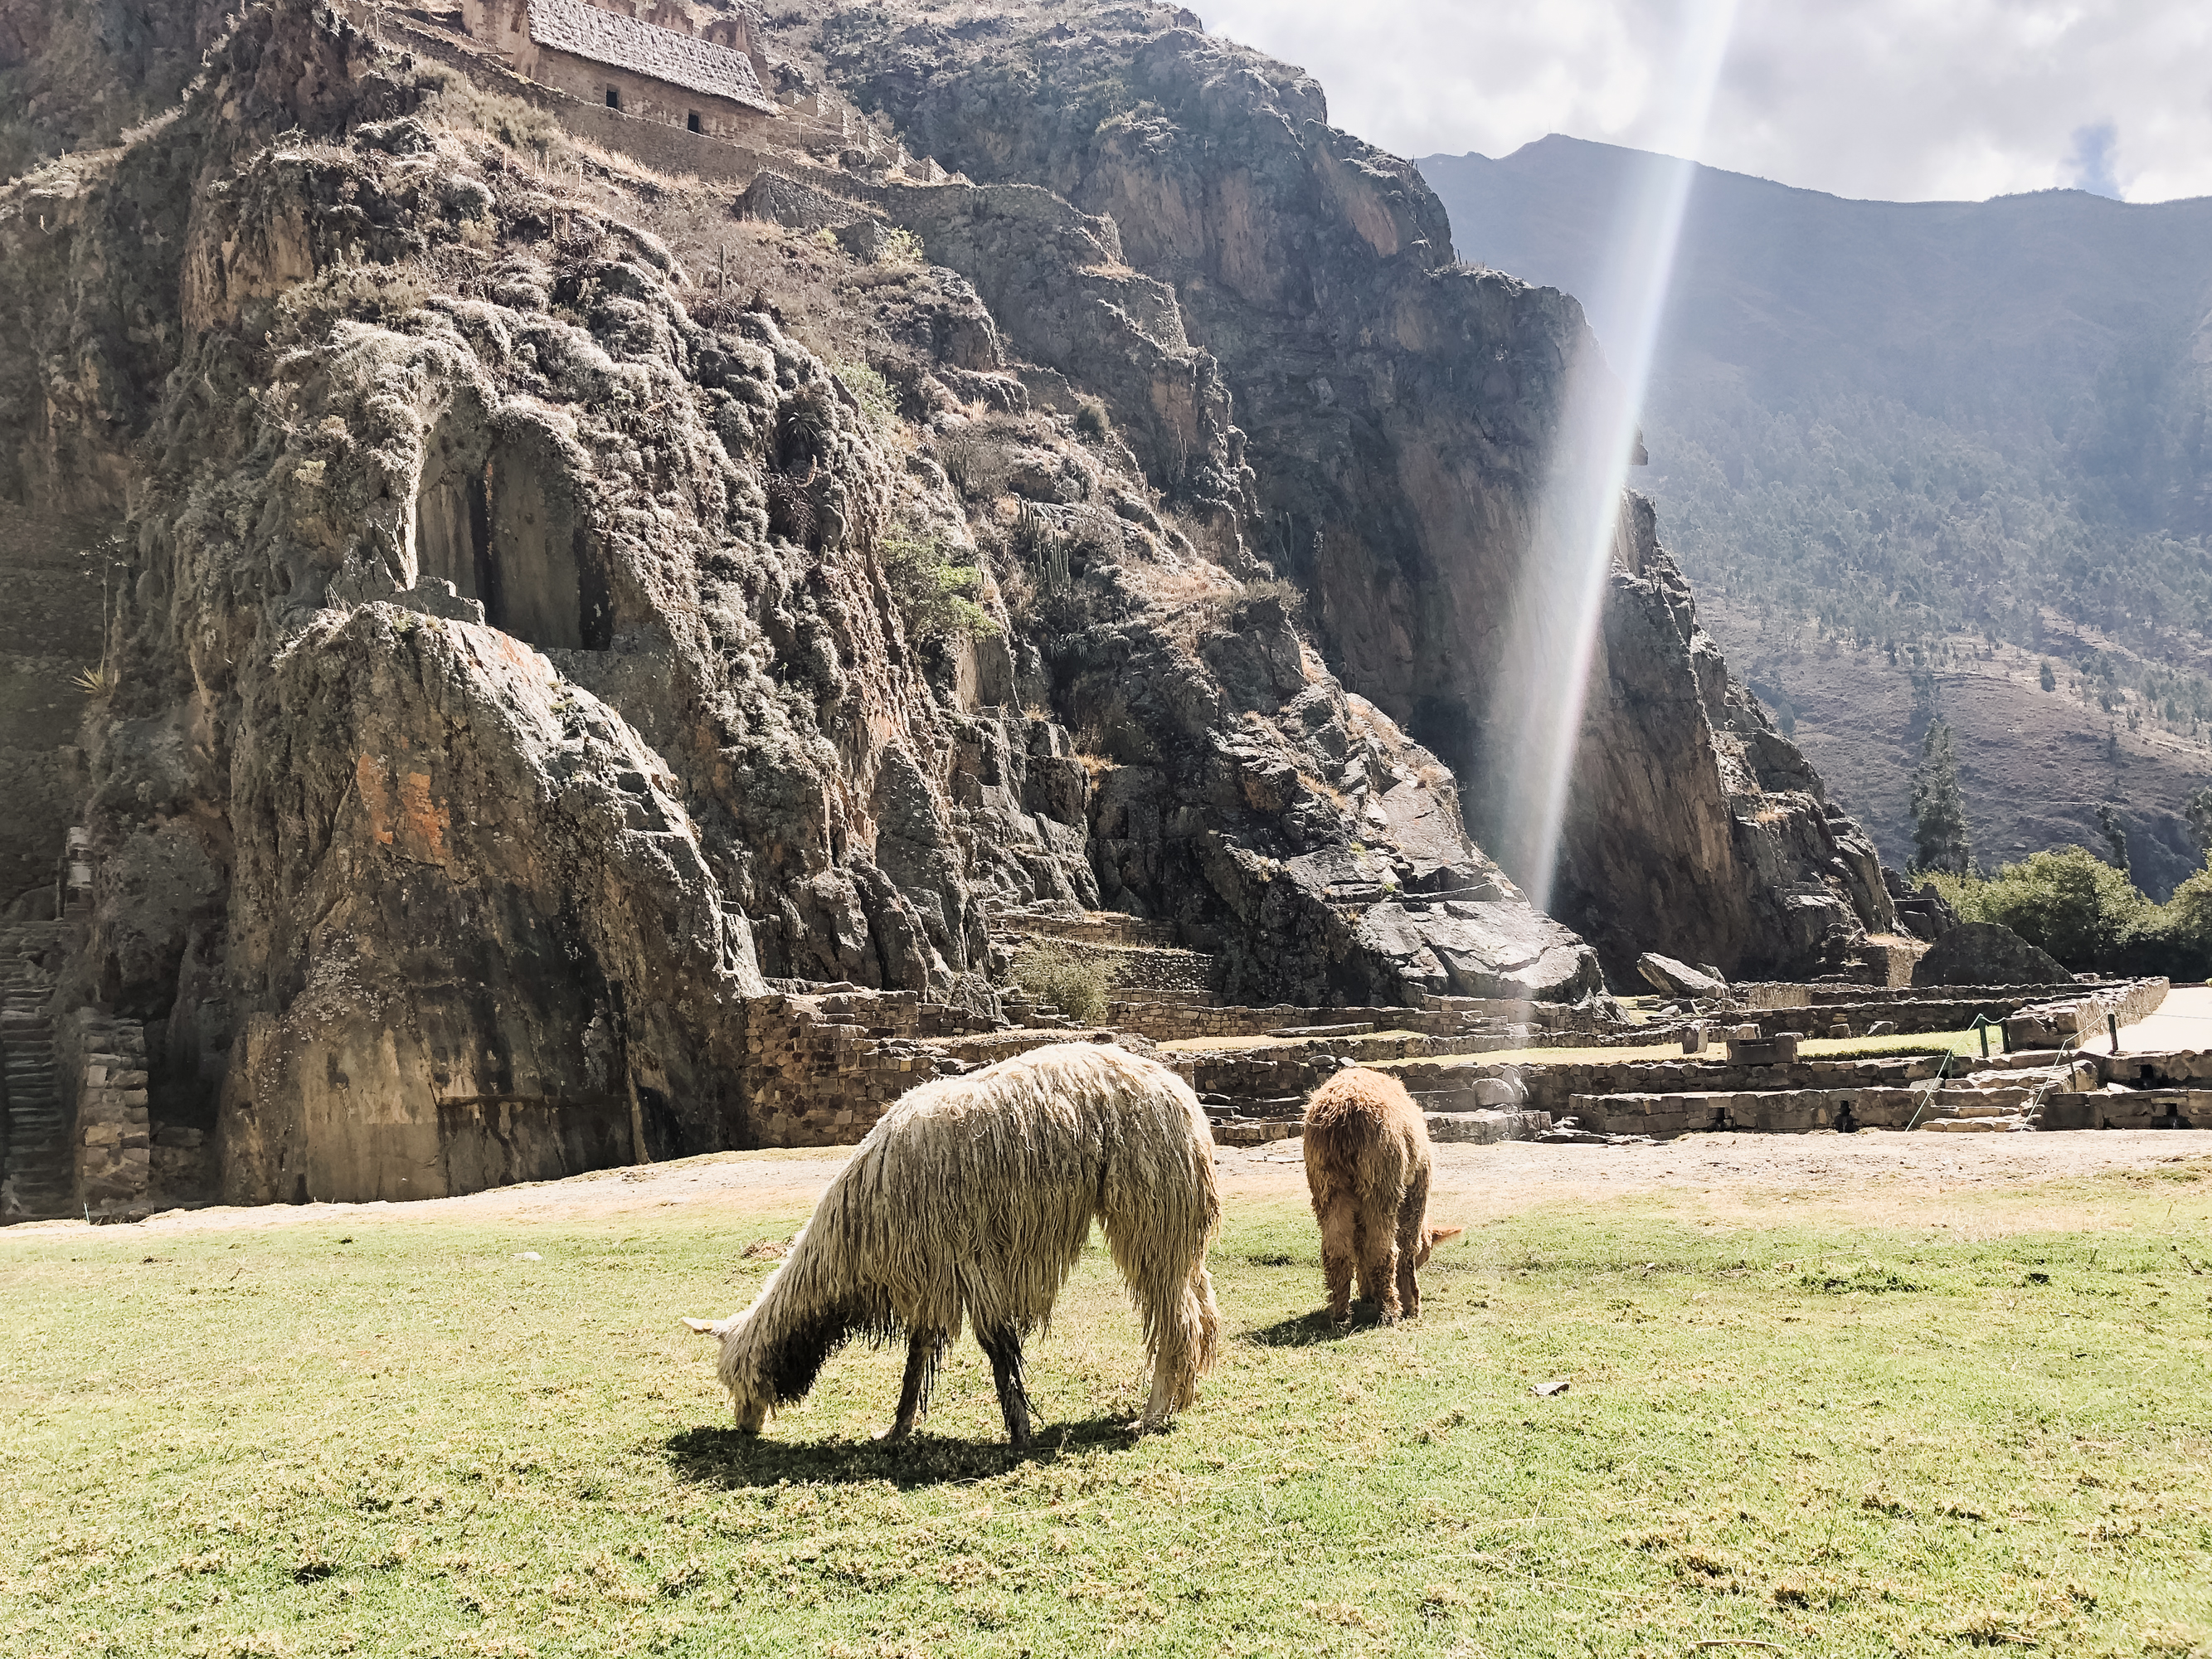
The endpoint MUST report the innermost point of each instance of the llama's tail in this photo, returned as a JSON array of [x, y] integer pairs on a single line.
[[1158, 1220]]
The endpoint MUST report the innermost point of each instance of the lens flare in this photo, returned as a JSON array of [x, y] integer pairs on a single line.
[[1537, 714]]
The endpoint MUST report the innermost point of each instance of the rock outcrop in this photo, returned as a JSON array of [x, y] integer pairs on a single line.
[[1987, 953], [524, 650], [523, 646], [1677, 979], [1400, 414]]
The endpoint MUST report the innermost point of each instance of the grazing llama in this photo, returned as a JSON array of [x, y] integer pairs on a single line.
[[1367, 1166], [973, 1197]]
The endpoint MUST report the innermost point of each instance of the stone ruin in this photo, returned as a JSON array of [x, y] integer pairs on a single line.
[[541, 777], [91, 1130]]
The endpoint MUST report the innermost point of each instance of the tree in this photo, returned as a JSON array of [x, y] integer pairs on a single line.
[[2069, 902], [2198, 809], [1940, 840], [2115, 835]]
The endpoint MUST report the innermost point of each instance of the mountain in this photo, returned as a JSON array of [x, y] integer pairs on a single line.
[[556, 572], [1887, 438]]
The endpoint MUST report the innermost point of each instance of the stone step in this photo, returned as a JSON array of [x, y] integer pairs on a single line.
[[2006, 1123], [1250, 1132], [1949, 1106], [1486, 1128]]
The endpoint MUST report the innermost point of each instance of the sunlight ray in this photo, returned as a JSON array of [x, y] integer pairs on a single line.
[[1551, 629]]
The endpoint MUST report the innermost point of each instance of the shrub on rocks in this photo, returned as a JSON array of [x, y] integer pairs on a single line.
[[1072, 981]]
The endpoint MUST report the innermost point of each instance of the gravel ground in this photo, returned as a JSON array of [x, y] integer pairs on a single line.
[[1881, 1177]]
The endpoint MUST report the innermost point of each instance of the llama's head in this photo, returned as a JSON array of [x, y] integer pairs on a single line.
[[739, 1368], [1430, 1238]]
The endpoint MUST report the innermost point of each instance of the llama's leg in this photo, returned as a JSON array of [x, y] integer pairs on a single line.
[[1364, 1253], [923, 1350], [1378, 1265], [1187, 1333], [1338, 1228], [1005, 1347], [1413, 1216]]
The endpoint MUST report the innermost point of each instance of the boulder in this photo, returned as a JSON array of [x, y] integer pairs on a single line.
[[1926, 915], [1678, 978], [1987, 953]]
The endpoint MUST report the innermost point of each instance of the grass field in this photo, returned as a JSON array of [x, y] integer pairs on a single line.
[[408, 1437]]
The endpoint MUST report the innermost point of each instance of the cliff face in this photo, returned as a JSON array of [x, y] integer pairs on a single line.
[[1400, 415], [526, 645], [74, 73]]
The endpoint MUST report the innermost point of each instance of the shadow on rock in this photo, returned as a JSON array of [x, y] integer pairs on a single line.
[[727, 1459]]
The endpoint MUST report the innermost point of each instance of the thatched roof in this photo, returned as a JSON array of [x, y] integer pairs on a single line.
[[584, 31]]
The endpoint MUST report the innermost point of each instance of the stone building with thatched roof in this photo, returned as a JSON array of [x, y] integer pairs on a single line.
[[660, 67]]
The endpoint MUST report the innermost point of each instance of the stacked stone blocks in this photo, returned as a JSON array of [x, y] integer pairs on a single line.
[[102, 1061]]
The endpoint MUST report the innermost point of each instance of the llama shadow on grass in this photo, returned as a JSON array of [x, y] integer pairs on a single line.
[[1304, 1330], [731, 1461]]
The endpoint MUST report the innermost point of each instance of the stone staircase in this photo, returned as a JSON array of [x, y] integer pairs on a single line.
[[1979, 1111], [38, 1176]]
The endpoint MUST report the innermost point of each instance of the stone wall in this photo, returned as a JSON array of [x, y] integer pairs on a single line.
[[819, 1071], [1765, 996], [647, 100], [1270, 1083], [1090, 927], [1550, 1088], [102, 1063], [2047, 1024], [1790, 1111], [1441, 1017]]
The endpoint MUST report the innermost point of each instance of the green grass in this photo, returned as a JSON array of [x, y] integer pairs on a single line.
[[394, 1435]]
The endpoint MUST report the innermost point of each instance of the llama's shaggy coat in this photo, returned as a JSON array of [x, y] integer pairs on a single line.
[[972, 1198], [1367, 1168]]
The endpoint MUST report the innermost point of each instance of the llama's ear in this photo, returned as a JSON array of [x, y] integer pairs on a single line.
[[1438, 1234], [704, 1326]]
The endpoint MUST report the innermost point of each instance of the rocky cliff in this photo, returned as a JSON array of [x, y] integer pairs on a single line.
[[557, 598], [1400, 413]]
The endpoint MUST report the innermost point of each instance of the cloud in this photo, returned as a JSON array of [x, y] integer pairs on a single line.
[[1893, 100]]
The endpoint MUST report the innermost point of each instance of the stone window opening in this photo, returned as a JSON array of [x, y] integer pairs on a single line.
[[691, 122], [614, 97]]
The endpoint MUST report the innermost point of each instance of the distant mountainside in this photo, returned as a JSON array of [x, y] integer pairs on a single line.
[[1923, 428]]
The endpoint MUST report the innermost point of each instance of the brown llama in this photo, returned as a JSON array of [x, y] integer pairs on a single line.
[[1367, 1166]]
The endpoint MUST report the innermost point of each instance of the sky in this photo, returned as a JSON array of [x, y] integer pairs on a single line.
[[1884, 100]]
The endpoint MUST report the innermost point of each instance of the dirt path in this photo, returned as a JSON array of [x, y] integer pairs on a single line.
[[2183, 1020], [1876, 1177]]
